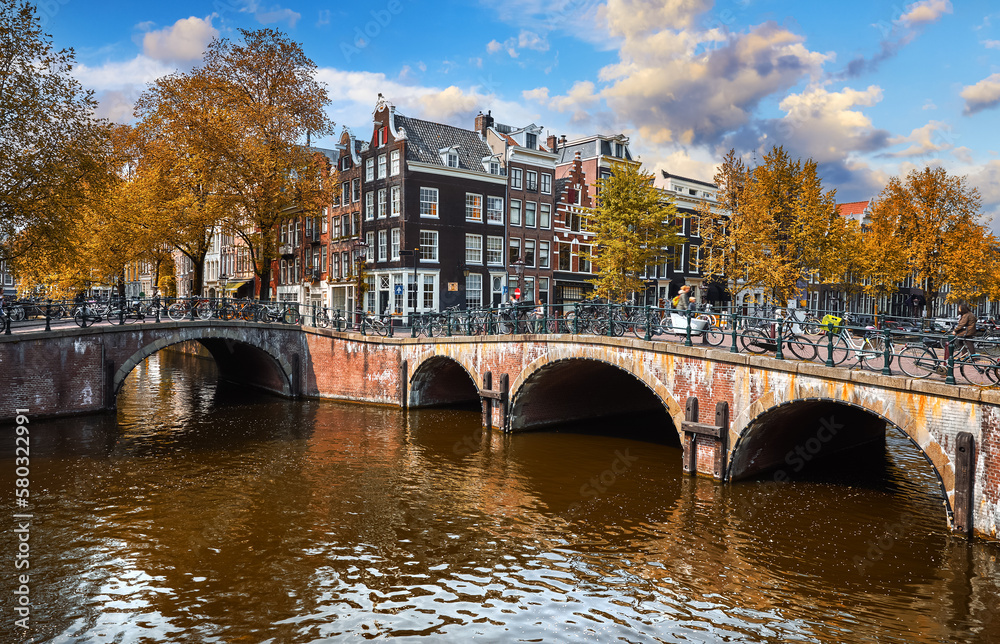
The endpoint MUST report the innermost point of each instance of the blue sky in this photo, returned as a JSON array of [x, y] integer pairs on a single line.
[[867, 89]]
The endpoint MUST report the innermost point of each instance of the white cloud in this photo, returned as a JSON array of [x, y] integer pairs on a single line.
[[924, 12], [963, 154], [983, 95], [185, 40], [576, 17], [493, 46], [116, 105], [933, 137], [530, 40], [991, 44], [987, 180], [540, 94], [277, 14], [115, 75], [826, 126]]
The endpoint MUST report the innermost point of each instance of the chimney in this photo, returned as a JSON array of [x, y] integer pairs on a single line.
[[551, 143], [562, 141], [484, 122]]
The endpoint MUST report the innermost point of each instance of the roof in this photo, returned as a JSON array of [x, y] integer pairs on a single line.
[[667, 175], [852, 209], [425, 139]]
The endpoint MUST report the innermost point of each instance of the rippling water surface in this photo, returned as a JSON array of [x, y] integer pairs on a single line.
[[203, 513]]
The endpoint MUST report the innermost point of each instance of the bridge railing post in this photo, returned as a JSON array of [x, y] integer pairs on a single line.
[[649, 322], [734, 319], [886, 352], [779, 332], [576, 318], [687, 337], [313, 315], [48, 315], [949, 354], [6, 320], [829, 344]]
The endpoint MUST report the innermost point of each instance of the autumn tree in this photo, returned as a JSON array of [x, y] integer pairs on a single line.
[[773, 227], [244, 114], [633, 224], [934, 210], [52, 147]]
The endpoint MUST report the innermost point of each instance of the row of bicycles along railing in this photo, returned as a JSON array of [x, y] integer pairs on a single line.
[[891, 346]]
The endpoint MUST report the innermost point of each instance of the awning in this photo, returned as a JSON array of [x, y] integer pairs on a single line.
[[233, 285]]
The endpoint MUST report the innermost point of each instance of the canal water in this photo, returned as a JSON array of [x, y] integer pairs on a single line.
[[205, 513]]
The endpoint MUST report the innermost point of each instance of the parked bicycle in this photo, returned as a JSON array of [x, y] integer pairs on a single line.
[[922, 360]]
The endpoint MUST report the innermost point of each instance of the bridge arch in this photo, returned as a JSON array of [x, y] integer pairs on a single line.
[[786, 436], [235, 355], [441, 380], [554, 390]]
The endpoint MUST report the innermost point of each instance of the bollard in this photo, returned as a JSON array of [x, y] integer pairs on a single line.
[[48, 315], [829, 344], [687, 340], [649, 323], [735, 321], [950, 358]]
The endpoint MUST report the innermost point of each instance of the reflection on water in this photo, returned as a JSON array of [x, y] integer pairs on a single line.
[[207, 513]]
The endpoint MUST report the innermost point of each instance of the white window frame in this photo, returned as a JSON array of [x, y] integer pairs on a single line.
[[473, 249], [471, 281], [436, 202], [532, 207], [545, 183], [394, 244], [494, 210], [394, 163], [383, 245], [515, 206], [381, 203], [397, 204], [515, 178], [473, 203], [370, 205], [494, 250], [544, 254], [545, 216], [382, 165], [429, 246], [370, 169]]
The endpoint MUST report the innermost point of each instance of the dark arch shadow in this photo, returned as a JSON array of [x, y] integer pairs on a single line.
[[818, 437], [238, 362], [594, 397], [443, 382]]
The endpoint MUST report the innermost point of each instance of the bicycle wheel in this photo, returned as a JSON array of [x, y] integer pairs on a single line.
[[83, 319], [755, 341], [379, 328], [872, 354], [917, 361], [637, 325], [226, 312], [322, 320], [176, 311], [841, 350], [978, 369], [290, 316], [204, 311], [714, 336], [801, 348]]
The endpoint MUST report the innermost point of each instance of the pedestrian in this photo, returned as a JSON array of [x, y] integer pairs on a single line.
[[966, 328], [683, 298]]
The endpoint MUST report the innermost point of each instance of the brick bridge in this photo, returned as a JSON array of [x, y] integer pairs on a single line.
[[759, 416]]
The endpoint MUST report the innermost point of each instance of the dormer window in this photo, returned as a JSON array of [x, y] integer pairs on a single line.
[[494, 167], [449, 156], [530, 140]]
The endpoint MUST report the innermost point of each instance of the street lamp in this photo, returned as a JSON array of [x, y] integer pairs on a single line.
[[519, 270], [224, 279]]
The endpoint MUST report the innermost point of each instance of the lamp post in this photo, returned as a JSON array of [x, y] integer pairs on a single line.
[[360, 251], [519, 271], [223, 279]]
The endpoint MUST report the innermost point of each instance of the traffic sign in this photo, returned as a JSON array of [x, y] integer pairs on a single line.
[[399, 289], [517, 293]]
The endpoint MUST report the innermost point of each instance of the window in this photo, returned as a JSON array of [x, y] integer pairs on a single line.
[[428, 202], [515, 213], [619, 150], [325, 222], [695, 257], [298, 233], [345, 262], [381, 166], [284, 233], [394, 163], [543, 254], [345, 163], [494, 251], [336, 227], [370, 170], [428, 246], [382, 245], [529, 214], [429, 292], [529, 252], [530, 140], [543, 290], [678, 259], [452, 159], [547, 184], [345, 226], [695, 226], [564, 257], [473, 249], [355, 190], [515, 249], [381, 203], [515, 178], [474, 290], [345, 193], [494, 210], [395, 244], [369, 206], [494, 167], [584, 259], [397, 208], [473, 207], [545, 216], [370, 241], [335, 266], [532, 182]]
